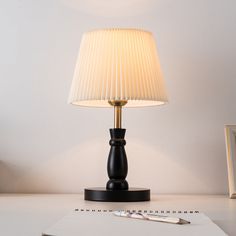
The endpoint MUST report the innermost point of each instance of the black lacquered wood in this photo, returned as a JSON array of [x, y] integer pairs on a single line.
[[104, 195], [117, 165]]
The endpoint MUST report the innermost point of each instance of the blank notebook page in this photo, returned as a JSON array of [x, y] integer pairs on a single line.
[[106, 224]]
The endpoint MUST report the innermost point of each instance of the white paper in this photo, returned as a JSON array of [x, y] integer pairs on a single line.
[[106, 224]]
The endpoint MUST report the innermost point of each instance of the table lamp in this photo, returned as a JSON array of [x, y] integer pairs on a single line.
[[117, 68]]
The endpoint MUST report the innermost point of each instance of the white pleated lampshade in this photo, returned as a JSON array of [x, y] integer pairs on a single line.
[[117, 64]]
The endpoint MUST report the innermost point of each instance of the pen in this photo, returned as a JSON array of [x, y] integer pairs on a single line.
[[151, 217]]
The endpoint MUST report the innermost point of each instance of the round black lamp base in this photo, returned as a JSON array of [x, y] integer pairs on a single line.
[[104, 195]]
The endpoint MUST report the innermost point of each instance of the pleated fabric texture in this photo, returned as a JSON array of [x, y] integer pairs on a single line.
[[118, 64]]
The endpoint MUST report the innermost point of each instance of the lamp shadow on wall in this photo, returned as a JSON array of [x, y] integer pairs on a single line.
[[84, 165]]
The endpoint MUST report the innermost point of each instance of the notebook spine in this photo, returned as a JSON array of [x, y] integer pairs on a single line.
[[140, 211]]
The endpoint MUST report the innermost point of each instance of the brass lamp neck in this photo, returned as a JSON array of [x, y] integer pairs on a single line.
[[117, 112]]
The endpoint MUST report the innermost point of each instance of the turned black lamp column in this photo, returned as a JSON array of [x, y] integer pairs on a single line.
[[117, 68]]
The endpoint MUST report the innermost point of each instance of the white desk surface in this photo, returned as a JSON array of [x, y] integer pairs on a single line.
[[31, 214]]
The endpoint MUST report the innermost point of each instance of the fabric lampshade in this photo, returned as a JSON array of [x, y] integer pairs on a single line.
[[117, 64]]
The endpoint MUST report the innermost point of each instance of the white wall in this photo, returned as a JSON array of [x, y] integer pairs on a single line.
[[47, 145]]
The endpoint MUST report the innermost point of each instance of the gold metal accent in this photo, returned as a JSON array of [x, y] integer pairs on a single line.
[[117, 112]]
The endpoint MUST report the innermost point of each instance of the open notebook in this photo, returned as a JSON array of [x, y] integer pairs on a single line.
[[104, 223]]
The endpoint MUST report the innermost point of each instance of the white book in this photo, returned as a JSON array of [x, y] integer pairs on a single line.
[[105, 223]]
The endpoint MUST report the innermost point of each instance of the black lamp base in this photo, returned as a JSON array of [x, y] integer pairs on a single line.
[[104, 195]]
